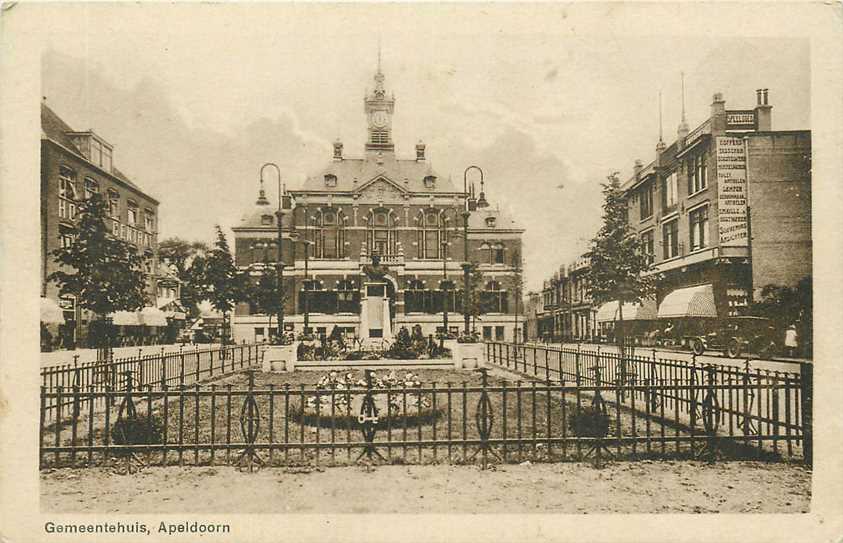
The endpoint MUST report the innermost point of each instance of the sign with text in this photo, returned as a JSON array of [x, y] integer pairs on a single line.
[[740, 120], [731, 191]]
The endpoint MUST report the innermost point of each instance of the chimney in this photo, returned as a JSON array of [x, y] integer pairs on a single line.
[[638, 167], [763, 112], [718, 114], [420, 151], [338, 150]]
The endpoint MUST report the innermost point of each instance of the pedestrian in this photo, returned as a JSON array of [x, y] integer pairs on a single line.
[[791, 340]]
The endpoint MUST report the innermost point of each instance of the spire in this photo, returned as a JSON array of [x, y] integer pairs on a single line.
[[379, 74], [683, 124], [481, 200], [379, 54], [660, 146]]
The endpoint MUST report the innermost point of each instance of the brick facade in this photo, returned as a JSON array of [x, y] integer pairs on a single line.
[[398, 210]]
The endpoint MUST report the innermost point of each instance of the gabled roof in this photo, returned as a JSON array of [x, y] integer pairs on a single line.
[[53, 128], [354, 173]]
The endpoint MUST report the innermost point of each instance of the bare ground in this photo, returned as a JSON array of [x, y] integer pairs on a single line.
[[621, 487]]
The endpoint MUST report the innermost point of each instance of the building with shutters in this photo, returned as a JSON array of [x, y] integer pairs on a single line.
[[375, 243]]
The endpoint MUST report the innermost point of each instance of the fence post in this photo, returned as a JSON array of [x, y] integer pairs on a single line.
[[163, 372], [806, 374], [577, 370], [181, 368]]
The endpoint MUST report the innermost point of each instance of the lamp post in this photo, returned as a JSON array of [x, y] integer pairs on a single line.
[[279, 214], [264, 245], [444, 243], [466, 264]]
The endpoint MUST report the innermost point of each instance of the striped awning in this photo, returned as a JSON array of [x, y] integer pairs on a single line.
[[695, 301], [644, 311], [51, 313]]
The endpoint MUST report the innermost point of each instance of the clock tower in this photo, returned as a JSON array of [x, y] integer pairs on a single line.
[[379, 108]]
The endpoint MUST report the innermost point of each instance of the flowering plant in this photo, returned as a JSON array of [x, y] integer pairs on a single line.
[[339, 382]]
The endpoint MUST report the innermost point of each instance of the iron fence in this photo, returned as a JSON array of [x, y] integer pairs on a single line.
[[751, 401], [182, 367], [484, 419]]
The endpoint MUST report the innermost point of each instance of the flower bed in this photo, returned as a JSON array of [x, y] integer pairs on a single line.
[[394, 398]]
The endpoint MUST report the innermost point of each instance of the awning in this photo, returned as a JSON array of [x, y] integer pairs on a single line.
[[126, 318], [631, 311], [152, 316], [689, 302], [51, 313]]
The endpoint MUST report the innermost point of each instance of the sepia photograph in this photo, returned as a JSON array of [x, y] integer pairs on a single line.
[[422, 259]]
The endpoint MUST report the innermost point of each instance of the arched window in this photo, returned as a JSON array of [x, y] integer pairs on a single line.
[[496, 255], [380, 234], [328, 234]]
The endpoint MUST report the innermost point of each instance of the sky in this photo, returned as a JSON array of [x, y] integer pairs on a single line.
[[547, 100]]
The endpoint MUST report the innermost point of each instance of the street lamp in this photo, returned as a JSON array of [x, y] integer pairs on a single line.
[[466, 265], [444, 243], [280, 264]]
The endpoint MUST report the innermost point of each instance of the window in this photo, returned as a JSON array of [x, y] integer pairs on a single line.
[[648, 246], [67, 183], [266, 220], [330, 180], [670, 239], [380, 235], [348, 297], [449, 294], [430, 182], [493, 299], [487, 333], [91, 187], [669, 190], [496, 256], [697, 174], [329, 234], [148, 220], [490, 222], [498, 333], [698, 226], [113, 203], [646, 201], [96, 152], [380, 136], [65, 237], [132, 215], [429, 234], [415, 297]]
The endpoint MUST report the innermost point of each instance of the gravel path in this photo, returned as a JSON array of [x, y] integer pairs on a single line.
[[623, 487]]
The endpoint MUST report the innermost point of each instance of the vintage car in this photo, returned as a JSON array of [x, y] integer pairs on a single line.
[[736, 335]]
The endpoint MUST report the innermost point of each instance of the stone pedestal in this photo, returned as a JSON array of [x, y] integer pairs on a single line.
[[279, 358], [469, 355]]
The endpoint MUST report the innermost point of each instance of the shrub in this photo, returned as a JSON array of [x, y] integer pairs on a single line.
[[139, 430], [589, 422]]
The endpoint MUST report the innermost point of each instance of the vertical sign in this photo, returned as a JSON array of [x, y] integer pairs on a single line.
[[731, 191]]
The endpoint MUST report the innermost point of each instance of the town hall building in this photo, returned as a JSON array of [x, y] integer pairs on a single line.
[[375, 243]]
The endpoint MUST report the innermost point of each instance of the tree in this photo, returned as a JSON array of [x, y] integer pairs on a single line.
[[786, 306], [618, 260], [473, 302], [226, 285], [104, 273], [189, 259], [264, 293]]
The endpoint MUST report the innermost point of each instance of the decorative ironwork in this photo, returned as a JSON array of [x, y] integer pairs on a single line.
[[695, 394], [368, 419], [598, 404], [485, 420], [711, 416], [745, 422], [126, 414], [250, 423]]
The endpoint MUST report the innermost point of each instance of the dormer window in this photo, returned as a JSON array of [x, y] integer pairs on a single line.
[[430, 182], [330, 180], [266, 220], [132, 217], [490, 222], [149, 220]]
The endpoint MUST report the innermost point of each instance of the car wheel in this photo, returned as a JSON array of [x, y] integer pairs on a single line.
[[733, 349], [697, 347]]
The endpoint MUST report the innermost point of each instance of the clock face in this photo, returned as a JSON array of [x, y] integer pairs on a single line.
[[379, 119]]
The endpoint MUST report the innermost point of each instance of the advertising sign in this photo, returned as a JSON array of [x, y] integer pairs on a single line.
[[731, 191], [740, 120]]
